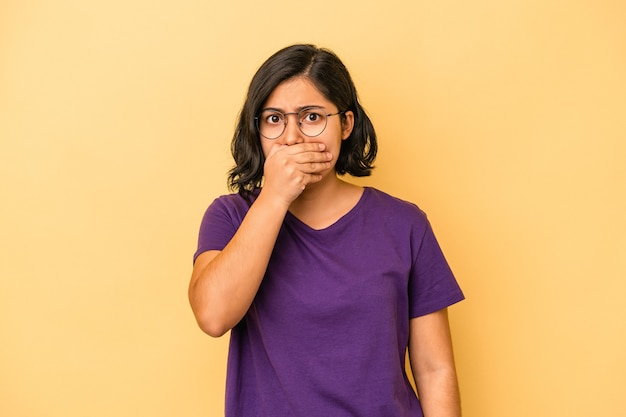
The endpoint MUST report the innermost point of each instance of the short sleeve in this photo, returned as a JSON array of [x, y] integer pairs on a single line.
[[220, 222], [432, 285]]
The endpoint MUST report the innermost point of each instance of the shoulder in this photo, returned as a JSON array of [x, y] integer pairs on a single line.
[[232, 206], [234, 201], [391, 206]]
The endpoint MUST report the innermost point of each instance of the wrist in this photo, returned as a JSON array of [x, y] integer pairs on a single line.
[[275, 203]]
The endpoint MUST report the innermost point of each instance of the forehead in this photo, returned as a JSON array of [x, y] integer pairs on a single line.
[[296, 93]]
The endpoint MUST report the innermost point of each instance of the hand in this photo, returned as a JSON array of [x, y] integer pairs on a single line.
[[289, 169]]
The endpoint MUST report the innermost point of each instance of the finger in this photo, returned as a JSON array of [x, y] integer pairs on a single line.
[[305, 147], [314, 167], [307, 157], [312, 178]]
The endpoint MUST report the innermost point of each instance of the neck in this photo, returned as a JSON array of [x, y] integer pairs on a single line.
[[321, 192], [321, 204]]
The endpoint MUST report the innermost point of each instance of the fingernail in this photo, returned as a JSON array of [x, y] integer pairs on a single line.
[[322, 146]]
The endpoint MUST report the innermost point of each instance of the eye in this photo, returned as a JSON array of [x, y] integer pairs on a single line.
[[311, 117], [273, 118]]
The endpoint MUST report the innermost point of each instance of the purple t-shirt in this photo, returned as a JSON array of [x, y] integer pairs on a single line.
[[328, 329]]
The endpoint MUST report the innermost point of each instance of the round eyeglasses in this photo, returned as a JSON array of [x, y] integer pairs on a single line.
[[311, 122]]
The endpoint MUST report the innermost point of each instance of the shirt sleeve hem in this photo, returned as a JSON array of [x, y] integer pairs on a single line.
[[436, 306]]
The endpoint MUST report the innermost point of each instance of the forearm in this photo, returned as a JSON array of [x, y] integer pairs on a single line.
[[439, 393], [222, 289], [432, 364]]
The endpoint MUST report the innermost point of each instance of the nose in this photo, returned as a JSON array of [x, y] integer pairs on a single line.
[[292, 133]]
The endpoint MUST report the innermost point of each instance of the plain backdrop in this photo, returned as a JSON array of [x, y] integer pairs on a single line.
[[503, 120]]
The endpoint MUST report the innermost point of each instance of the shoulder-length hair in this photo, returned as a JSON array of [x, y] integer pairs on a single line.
[[326, 71]]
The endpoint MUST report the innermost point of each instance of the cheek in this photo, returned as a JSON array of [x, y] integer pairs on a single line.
[[335, 136], [265, 147]]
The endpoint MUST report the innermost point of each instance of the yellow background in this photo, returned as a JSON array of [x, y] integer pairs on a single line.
[[504, 120]]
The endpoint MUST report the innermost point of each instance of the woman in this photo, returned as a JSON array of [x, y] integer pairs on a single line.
[[323, 284]]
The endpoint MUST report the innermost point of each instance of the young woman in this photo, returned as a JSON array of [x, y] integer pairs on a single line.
[[322, 283]]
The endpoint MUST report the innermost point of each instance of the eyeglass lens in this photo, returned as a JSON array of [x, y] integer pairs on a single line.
[[272, 123]]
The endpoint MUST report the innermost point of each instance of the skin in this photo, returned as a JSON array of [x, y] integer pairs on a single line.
[[432, 364], [299, 177]]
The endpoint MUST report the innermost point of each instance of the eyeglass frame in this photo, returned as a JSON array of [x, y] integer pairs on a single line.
[[327, 115]]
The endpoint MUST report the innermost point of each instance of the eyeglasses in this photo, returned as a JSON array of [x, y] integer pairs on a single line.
[[311, 122]]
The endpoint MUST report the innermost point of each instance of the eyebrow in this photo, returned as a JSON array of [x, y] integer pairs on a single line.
[[297, 110]]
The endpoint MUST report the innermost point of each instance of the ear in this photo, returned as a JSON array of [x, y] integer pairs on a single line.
[[347, 124]]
